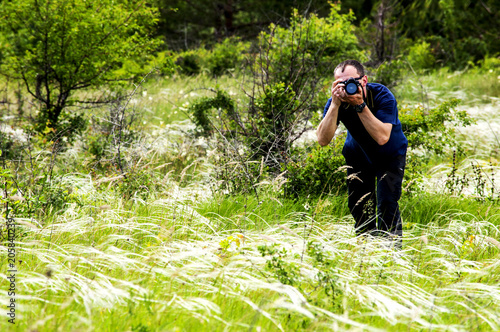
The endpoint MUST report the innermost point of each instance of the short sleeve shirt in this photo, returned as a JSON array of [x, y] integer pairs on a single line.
[[383, 105]]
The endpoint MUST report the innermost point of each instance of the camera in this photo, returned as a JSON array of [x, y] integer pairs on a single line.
[[351, 86]]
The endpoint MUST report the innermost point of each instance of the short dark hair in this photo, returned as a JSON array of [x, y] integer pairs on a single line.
[[356, 64]]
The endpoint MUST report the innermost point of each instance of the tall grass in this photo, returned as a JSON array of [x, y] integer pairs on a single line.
[[474, 87], [186, 257], [161, 266]]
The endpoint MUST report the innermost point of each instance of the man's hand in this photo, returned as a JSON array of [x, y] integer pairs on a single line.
[[354, 99], [338, 93]]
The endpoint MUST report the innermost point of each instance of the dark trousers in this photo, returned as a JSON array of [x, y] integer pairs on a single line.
[[374, 191]]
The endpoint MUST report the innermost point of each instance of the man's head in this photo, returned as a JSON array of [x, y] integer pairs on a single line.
[[354, 63], [351, 69]]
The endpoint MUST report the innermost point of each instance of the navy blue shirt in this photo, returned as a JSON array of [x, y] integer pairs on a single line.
[[383, 105]]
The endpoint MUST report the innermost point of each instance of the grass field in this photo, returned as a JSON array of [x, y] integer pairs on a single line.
[[185, 257]]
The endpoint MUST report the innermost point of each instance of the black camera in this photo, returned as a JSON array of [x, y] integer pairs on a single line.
[[351, 86]]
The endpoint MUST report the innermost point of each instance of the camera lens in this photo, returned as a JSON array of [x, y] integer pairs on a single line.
[[351, 88]]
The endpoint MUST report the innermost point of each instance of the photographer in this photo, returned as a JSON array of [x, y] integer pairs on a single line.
[[374, 150]]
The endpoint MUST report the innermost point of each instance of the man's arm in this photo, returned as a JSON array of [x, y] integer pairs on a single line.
[[378, 130], [328, 126]]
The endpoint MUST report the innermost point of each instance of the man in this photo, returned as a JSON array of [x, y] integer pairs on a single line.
[[374, 150]]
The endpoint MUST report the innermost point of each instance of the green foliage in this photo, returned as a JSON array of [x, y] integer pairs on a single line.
[[137, 183], [457, 54], [112, 132], [390, 73], [204, 115], [230, 246], [287, 273], [429, 132], [263, 130], [36, 197], [420, 56], [187, 24], [190, 62], [379, 32], [414, 173], [310, 48], [327, 277], [477, 179], [139, 65], [226, 56], [9, 147], [236, 174], [69, 126], [490, 64], [314, 171], [57, 47], [272, 118], [459, 32], [290, 65], [433, 130]]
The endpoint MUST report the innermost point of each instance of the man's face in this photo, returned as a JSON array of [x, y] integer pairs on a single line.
[[349, 71]]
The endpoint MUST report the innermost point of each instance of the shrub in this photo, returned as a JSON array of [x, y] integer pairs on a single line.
[[226, 56], [458, 54], [389, 73], [490, 64], [204, 117], [307, 50], [190, 62], [69, 127], [420, 56], [235, 174], [137, 183], [34, 190], [290, 65], [432, 131], [315, 170]]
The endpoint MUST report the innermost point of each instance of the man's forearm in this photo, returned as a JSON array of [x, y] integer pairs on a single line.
[[328, 126], [378, 130]]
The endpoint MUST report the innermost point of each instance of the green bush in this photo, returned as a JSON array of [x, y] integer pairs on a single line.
[[315, 170], [9, 147], [204, 117], [226, 56], [389, 73], [69, 127], [137, 182], [468, 51], [433, 130], [309, 48], [420, 56], [490, 64], [236, 175], [263, 129], [458, 54], [190, 62]]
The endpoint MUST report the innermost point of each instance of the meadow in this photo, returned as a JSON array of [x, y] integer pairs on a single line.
[[180, 255]]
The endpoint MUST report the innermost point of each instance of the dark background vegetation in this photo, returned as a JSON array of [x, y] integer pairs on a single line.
[[457, 31]]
